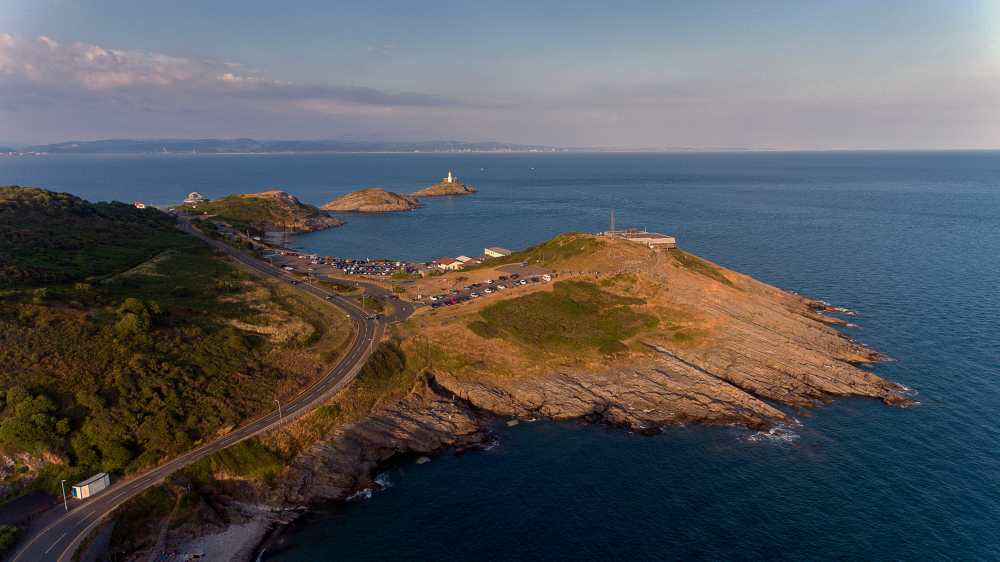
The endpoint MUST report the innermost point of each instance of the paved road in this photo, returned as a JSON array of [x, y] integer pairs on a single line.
[[60, 539]]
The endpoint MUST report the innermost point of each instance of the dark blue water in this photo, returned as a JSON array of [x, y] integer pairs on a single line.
[[910, 240]]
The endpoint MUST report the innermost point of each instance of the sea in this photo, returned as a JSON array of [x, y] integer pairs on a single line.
[[910, 241]]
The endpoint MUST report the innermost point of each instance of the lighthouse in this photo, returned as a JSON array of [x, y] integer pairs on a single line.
[[450, 178]]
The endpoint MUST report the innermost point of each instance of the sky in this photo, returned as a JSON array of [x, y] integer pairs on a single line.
[[772, 74]]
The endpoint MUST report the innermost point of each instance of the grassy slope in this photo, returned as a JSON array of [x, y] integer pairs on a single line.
[[257, 213], [562, 247], [118, 371], [48, 237], [574, 316]]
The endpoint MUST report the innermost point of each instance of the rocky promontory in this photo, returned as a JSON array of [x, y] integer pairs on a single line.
[[266, 211], [623, 334], [372, 200]]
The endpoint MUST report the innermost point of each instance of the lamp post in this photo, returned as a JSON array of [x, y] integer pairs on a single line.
[[62, 484], [281, 416]]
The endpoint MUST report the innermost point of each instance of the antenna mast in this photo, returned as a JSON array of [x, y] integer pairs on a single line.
[[612, 222]]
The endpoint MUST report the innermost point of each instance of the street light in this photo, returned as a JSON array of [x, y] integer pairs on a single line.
[[280, 415], [62, 484]]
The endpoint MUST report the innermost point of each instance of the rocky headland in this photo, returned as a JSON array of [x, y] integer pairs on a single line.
[[372, 200], [266, 211], [626, 335]]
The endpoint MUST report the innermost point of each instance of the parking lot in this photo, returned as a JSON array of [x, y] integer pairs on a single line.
[[483, 289]]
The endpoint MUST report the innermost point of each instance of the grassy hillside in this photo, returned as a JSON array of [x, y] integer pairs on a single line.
[[114, 368], [48, 237], [551, 251], [574, 316], [269, 210]]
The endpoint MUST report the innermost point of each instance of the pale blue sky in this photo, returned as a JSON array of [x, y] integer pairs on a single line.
[[796, 74]]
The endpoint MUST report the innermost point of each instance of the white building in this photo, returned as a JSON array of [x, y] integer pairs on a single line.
[[450, 178], [91, 486], [496, 252], [194, 198], [448, 264], [651, 239]]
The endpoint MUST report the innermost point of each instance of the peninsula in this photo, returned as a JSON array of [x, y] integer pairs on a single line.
[[594, 327], [372, 200], [448, 186], [616, 328], [262, 212]]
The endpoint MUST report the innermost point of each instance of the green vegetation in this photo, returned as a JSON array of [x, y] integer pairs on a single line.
[[336, 286], [9, 535], [371, 304], [551, 251], [575, 316], [248, 459], [700, 266], [48, 237], [257, 212], [388, 374], [166, 347], [138, 521]]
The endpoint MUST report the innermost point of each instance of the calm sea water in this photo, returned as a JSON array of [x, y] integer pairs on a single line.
[[909, 240]]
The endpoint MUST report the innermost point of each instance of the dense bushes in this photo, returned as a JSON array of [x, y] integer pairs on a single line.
[[29, 423], [48, 237], [116, 372], [8, 537]]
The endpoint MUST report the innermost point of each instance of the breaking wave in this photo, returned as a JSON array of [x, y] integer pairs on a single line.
[[780, 433], [365, 494]]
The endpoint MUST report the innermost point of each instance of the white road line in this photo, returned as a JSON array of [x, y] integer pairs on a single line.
[[61, 537]]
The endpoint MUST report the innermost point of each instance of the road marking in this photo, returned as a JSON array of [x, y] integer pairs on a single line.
[[49, 549]]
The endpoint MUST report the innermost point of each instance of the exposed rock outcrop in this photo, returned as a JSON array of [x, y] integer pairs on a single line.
[[372, 200], [427, 420], [445, 189]]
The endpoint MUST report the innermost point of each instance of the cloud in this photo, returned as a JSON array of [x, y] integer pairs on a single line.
[[43, 70]]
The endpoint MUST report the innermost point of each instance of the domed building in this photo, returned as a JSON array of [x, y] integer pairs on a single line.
[[194, 198]]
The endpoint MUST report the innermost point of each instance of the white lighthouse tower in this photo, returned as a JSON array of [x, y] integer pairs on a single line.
[[450, 178]]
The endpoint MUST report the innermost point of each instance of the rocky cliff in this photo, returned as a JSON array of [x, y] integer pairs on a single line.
[[372, 200], [626, 335], [714, 347]]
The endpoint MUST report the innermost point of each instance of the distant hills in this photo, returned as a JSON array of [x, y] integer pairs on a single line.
[[245, 145]]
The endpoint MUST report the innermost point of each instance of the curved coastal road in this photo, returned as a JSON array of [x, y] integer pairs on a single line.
[[60, 539]]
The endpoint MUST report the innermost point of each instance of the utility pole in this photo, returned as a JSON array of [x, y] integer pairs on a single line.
[[281, 416], [612, 223], [62, 484]]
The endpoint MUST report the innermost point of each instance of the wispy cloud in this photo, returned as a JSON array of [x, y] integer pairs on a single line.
[[42, 70]]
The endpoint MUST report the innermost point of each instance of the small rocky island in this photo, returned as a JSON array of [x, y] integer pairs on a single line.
[[446, 187], [267, 211], [372, 200]]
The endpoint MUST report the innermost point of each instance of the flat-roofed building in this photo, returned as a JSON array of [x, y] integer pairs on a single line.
[[496, 252], [651, 239]]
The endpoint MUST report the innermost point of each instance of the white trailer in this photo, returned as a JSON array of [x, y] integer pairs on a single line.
[[91, 486]]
